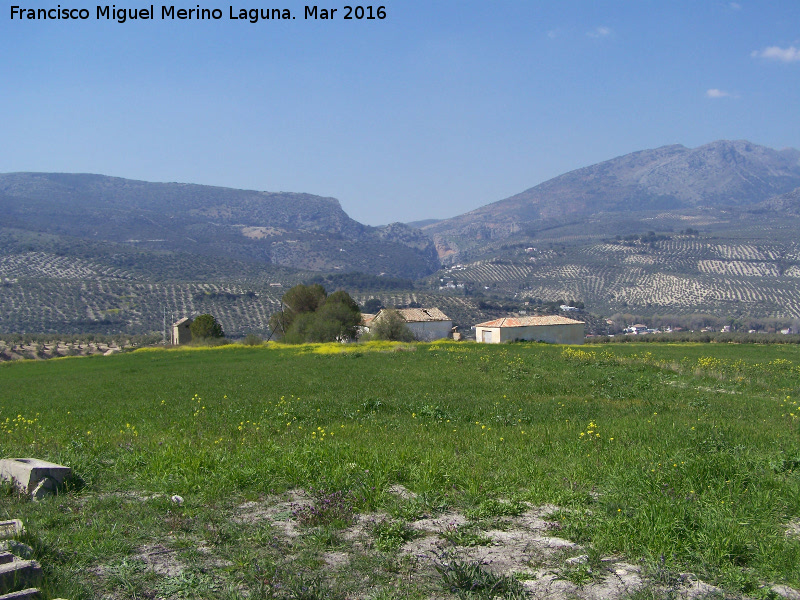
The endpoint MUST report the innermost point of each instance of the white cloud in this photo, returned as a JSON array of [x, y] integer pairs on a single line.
[[790, 54], [599, 32], [552, 34], [715, 93], [735, 6]]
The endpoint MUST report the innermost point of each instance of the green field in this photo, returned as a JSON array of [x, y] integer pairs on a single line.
[[674, 457]]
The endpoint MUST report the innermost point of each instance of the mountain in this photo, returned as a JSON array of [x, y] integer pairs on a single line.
[[669, 231], [300, 231], [717, 176], [788, 203]]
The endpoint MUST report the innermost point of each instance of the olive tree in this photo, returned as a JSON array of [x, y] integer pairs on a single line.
[[390, 325], [204, 327]]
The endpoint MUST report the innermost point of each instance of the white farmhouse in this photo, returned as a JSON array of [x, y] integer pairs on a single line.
[[427, 324], [552, 329]]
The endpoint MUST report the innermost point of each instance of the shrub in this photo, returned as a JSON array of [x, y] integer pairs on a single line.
[[391, 326], [252, 340], [206, 326]]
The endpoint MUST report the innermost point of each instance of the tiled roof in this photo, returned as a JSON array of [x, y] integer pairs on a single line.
[[528, 321], [366, 318], [422, 315], [181, 321]]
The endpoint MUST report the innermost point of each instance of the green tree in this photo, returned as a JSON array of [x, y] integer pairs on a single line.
[[338, 318], [304, 298], [390, 325], [300, 299], [323, 318], [204, 327], [373, 305]]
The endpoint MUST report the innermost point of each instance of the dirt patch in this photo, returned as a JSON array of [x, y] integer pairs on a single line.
[[401, 491], [525, 548], [279, 512], [793, 528], [161, 559]]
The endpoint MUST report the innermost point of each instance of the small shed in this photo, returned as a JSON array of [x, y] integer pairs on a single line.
[[552, 329], [427, 324], [181, 332]]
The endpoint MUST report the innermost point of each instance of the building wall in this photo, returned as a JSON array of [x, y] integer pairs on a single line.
[[487, 335], [427, 331], [181, 334], [554, 334]]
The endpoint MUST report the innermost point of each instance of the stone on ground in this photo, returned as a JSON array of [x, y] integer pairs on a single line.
[[33, 476]]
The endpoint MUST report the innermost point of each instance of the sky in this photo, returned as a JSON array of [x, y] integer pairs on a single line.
[[437, 109]]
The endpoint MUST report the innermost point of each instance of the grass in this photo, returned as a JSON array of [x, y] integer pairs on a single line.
[[682, 455]]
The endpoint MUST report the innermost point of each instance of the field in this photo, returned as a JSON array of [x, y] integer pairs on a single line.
[[60, 288], [413, 471], [46, 293], [680, 275], [740, 265]]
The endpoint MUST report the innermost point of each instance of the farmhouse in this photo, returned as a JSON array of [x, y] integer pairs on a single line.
[[181, 334], [554, 329], [427, 324], [366, 323]]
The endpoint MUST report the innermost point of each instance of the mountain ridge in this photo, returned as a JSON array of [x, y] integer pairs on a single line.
[[283, 228], [716, 175]]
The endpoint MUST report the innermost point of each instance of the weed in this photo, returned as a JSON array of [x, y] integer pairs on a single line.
[[289, 585], [323, 537], [466, 535], [497, 508], [390, 535], [427, 504], [187, 585], [583, 569], [328, 508], [432, 412], [785, 464], [470, 581]]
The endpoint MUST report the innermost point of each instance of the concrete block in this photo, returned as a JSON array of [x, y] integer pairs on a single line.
[[19, 574], [6, 557], [29, 594], [33, 476], [16, 548], [11, 529]]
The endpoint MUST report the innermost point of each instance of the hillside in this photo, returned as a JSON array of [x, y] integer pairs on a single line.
[[300, 231], [788, 203], [753, 271], [675, 179], [670, 231]]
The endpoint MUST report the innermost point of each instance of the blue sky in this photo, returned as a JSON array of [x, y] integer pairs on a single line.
[[440, 108]]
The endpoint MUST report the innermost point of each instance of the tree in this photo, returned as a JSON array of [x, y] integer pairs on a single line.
[[204, 327], [304, 298], [298, 300], [322, 318], [373, 305], [391, 326], [337, 319]]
